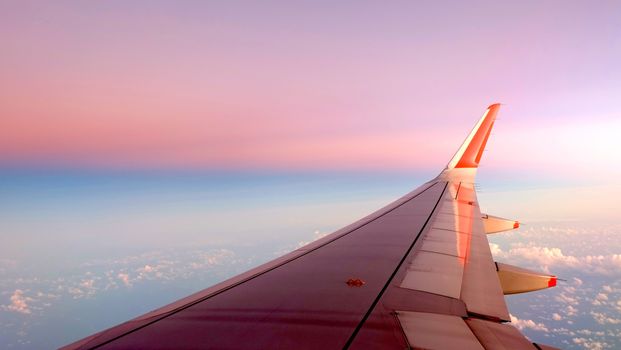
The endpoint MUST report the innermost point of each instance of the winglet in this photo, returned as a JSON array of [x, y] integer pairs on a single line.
[[469, 154]]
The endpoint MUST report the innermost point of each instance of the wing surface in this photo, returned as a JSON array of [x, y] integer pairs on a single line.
[[417, 273]]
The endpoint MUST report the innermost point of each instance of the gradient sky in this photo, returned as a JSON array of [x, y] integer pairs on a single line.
[[149, 149], [308, 85]]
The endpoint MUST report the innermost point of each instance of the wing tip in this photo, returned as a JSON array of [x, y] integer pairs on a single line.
[[470, 152], [494, 105]]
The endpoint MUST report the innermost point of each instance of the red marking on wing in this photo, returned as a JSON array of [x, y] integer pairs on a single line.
[[355, 282], [552, 282]]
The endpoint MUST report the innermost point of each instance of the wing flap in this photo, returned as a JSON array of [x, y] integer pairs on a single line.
[[444, 242], [481, 290], [454, 258], [433, 331], [435, 273], [493, 335]]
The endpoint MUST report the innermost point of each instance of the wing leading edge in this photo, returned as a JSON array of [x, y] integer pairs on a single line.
[[417, 273]]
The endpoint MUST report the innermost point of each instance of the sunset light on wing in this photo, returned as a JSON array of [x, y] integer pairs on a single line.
[[151, 149]]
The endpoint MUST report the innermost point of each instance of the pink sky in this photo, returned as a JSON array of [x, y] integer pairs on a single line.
[[360, 85]]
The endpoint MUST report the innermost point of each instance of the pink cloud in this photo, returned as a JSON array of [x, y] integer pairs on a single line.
[[19, 303]]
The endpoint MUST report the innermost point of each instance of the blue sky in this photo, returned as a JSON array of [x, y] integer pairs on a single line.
[[90, 250]]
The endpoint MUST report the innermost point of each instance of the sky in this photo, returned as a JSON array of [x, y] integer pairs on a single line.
[[303, 85], [139, 139]]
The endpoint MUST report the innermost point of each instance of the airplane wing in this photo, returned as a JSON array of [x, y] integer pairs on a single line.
[[417, 273]]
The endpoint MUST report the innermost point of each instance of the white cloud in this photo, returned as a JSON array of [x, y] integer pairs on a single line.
[[590, 343], [82, 288], [217, 257], [589, 332], [495, 248], [522, 324], [603, 319], [566, 299], [544, 256], [571, 311], [591, 262], [87, 284], [124, 278], [109, 274], [564, 331], [317, 235], [19, 303], [601, 264], [148, 271], [600, 299], [549, 257]]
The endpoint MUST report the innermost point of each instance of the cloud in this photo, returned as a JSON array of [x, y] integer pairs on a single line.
[[495, 248], [19, 303], [84, 287], [547, 257], [603, 319], [601, 264], [108, 274], [317, 235], [124, 278], [588, 304], [589, 332], [523, 324], [563, 330], [214, 258], [148, 272], [566, 299], [590, 343], [88, 284], [600, 299], [571, 311], [542, 256]]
